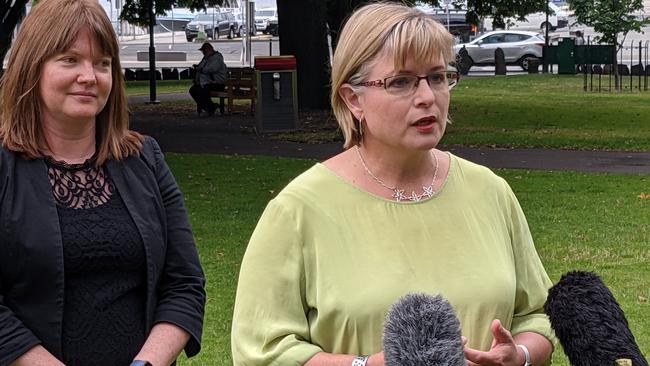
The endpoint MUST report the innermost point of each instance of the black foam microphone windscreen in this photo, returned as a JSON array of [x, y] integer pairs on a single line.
[[589, 323], [421, 330]]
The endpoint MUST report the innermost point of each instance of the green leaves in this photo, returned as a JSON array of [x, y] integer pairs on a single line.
[[501, 9], [609, 17]]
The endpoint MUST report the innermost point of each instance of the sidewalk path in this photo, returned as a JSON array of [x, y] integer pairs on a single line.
[[552, 159], [226, 135]]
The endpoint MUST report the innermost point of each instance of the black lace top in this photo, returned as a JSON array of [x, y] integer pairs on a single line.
[[104, 265]]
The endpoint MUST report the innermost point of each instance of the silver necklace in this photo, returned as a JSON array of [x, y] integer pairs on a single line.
[[398, 194]]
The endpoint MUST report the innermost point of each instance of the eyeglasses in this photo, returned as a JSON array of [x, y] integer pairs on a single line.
[[405, 85]]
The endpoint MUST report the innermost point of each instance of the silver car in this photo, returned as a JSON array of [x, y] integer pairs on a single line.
[[517, 46]]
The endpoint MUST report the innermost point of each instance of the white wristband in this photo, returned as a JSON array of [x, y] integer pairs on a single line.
[[526, 354], [360, 361]]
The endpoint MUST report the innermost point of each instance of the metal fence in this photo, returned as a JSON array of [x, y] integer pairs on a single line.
[[626, 70]]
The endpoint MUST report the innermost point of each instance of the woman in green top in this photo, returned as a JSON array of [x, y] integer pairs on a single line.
[[388, 216]]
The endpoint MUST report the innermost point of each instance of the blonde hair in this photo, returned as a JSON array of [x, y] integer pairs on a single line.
[[49, 29], [382, 29]]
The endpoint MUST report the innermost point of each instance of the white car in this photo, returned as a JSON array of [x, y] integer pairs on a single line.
[[266, 21], [517, 46]]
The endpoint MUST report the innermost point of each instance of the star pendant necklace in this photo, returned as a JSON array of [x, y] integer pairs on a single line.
[[398, 194]]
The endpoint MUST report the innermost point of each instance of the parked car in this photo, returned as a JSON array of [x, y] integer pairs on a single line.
[[273, 28], [175, 19], [241, 25], [557, 18], [215, 25], [266, 20], [517, 46]]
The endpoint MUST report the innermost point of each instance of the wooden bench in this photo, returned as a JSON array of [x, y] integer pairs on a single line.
[[241, 84]]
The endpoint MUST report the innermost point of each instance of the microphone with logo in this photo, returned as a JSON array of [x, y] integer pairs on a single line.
[[422, 329], [590, 324]]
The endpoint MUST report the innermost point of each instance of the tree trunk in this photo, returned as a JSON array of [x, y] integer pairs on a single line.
[[12, 14], [303, 34], [338, 12]]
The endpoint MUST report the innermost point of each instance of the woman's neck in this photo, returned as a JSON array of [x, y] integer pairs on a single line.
[[398, 166], [70, 145]]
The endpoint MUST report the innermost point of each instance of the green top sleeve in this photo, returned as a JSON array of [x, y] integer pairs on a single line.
[[532, 281], [276, 333]]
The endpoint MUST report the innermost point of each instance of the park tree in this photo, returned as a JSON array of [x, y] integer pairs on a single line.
[[609, 18], [303, 33], [11, 13], [308, 29], [307, 24]]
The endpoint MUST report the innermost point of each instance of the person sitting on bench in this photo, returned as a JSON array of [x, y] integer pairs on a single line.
[[211, 75]]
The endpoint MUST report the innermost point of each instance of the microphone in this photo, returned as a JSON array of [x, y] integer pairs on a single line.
[[589, 323], [422, 330]]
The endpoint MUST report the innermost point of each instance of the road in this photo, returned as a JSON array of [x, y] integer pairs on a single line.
[[231, 49], [267, 45]]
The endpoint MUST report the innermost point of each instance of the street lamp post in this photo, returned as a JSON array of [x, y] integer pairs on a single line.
[[447, 3], [249, 16], [244, 37], [118, 6], [545, 64], [152, 56]]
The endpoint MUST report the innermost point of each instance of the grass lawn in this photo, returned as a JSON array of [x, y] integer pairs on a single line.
[[547, 111], [516, 111], [579, 221], [141, 87]]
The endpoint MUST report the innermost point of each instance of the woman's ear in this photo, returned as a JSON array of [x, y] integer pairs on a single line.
[[351, 99]]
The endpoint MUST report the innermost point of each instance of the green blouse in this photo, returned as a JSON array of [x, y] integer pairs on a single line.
[[327, 260]]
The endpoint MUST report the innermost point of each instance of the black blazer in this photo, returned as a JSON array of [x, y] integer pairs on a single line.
[[31, 254]]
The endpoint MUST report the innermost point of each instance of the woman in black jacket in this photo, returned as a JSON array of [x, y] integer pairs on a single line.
[[98, 265]]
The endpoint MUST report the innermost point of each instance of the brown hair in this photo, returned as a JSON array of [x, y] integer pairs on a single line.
[[49, 29], [382, 29]]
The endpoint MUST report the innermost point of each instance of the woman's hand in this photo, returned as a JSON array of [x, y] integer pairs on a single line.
[[504, 350], [331, 359], [376, 360], [37, 356], [163, 345]]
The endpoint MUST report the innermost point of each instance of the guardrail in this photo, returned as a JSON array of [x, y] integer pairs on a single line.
[[162, 73]]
